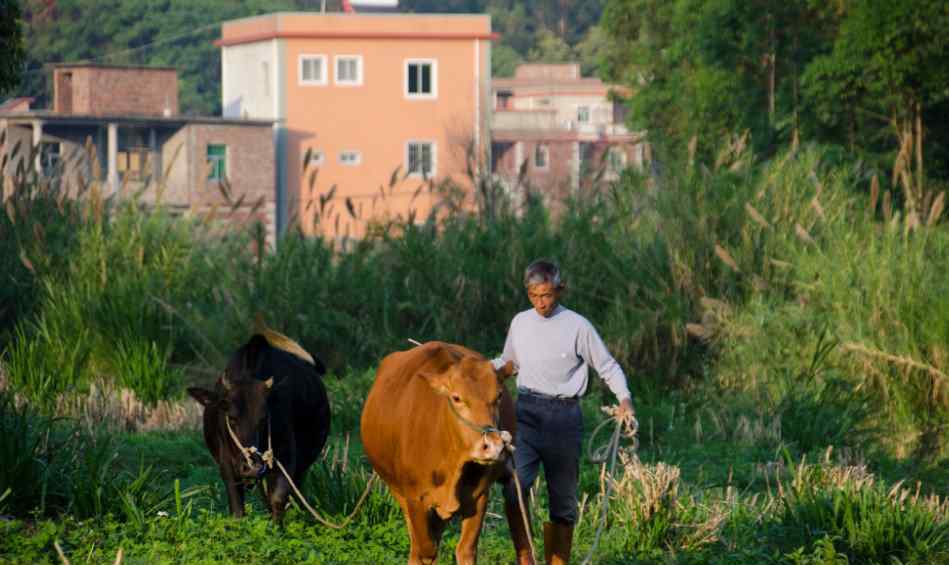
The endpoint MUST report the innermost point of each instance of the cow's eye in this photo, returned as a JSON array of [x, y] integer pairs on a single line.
[[456, 399]]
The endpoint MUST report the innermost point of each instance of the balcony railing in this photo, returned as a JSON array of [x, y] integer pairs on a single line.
[[547, 120], [526, 120]]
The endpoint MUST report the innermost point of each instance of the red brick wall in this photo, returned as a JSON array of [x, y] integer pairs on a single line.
[[108, 91], [249, 162]]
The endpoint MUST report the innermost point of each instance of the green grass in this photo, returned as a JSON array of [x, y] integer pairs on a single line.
[[722, 511]]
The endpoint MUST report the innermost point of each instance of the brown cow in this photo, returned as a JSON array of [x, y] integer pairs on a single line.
[[430, 428]]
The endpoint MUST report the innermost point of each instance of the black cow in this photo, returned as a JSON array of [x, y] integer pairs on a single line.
[[271, 394]]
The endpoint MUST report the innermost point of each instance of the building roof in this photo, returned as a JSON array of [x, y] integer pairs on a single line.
[[81, 65], [50, 117], [371, 26], [12, 103], [542, 79]]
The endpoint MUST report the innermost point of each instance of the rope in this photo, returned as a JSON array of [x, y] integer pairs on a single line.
[[269, 461], [520, 502], [601, 456], [316, 514]]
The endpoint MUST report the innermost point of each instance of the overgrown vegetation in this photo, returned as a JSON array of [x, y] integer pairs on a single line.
[[782, 323]]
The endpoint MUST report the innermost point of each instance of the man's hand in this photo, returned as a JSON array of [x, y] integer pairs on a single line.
[[626, 415]]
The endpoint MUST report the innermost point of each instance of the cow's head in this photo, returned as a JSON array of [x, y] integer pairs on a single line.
[[241, 403], [473, 389]]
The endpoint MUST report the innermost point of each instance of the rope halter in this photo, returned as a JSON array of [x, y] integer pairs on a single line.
[[505, 435], [266, 457]]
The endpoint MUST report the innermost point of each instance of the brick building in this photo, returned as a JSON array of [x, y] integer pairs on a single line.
[[556, 131], [121, 125]]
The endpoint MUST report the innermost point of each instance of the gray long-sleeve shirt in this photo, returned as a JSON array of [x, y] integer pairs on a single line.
[[552, 354]]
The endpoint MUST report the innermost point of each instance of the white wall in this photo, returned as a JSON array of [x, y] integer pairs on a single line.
[[249, 80]]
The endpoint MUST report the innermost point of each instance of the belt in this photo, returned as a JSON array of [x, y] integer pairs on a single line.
[[523, 392]]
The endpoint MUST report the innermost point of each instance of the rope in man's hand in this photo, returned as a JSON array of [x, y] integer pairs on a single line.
[[625, 425]]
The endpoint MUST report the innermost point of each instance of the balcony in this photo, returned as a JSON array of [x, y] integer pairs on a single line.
[[526, 120], [547, 120]]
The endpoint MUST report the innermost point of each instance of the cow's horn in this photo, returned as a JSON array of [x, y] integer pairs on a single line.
[[225, 383], [269, 382]]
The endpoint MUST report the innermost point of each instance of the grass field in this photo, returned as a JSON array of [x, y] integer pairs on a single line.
[[783, 326]]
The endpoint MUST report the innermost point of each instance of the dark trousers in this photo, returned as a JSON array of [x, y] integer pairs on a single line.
[[549, 433]]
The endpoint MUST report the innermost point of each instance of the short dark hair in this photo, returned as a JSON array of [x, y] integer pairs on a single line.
[[542, 271]]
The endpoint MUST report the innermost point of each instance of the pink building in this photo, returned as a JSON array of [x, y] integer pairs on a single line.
[[365, 95], [560, 129]]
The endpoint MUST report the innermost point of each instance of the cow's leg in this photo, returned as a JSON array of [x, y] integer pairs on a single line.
[[235, 492], [467, 551], [408, 518], [278, 497], [425, 530]]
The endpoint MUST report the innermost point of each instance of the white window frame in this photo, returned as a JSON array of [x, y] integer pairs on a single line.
[[405, 79], [546, 150], [316, 157], [324, 70], [355, 82], [350, 163], [434, 172], [589, 113]]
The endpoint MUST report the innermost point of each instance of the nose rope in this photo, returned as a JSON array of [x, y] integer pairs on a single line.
[[266, 457]]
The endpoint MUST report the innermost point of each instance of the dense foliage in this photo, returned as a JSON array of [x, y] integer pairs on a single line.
[[11, 45], [868, 75]]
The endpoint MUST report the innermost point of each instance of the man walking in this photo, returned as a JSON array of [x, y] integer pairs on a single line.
[[552, 347]]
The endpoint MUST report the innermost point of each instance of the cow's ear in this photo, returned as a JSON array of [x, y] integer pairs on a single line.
[[505, 371], [202, 395], [438, 381]]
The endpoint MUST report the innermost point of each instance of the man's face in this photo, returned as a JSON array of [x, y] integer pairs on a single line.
[[544, 298]]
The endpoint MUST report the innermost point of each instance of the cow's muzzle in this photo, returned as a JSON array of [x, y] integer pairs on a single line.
[[254, 469], [492, 447]]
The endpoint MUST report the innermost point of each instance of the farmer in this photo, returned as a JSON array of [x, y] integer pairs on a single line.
[[552, 346]]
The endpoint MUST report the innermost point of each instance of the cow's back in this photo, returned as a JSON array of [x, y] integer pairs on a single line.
[[400, 420], [302, 393]]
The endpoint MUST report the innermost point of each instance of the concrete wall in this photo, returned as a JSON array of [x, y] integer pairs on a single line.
[[249, 80]]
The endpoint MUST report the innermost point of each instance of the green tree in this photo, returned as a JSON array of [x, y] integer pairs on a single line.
[[551, 48], [706, 68], [592, 50], [504, 60], [890, 62], [11, 45]]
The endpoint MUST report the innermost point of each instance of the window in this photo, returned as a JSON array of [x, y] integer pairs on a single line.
[[420, 158], [541, 156], [583, 114], [349, 70], [311, 158], [504, 100], [351, 158], [313, 70], [130, 162], [421, 78], [217, 162]]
